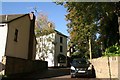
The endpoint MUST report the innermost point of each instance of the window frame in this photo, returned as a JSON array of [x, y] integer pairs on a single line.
[[61, 48], [16, 35], [61, 39]]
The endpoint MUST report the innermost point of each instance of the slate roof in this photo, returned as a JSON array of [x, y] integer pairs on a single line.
[[8, 18], [60, 33]]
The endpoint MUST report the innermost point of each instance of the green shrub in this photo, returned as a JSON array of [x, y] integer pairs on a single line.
[[112, 51]]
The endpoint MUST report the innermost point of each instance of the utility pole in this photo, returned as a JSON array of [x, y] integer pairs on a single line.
[[119, 27], [90, 49]]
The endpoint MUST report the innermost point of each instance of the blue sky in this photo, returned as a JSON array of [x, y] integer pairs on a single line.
[[55, 13]]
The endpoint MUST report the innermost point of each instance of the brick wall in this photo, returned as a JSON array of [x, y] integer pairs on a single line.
[[103, 70], [18, 65]]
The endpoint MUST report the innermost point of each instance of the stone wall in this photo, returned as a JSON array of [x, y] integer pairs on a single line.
[[103, 70], [119, 68], [18, 65]]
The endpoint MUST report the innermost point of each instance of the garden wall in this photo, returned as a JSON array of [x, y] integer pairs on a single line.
[[18, 65], [103, 70]]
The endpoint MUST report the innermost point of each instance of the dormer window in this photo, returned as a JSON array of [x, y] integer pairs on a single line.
[[16, 35]]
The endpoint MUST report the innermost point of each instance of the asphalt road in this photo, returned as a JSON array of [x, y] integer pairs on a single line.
[[52, 74], [55, 74]]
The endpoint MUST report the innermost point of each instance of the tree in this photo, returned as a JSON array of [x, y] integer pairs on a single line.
[[43, 25], [86, 20], [43, 28]]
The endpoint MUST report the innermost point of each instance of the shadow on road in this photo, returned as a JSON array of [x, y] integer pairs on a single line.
[[51, 72]]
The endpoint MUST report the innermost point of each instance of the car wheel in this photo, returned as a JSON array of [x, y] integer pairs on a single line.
[[72, 76], [93, 74]]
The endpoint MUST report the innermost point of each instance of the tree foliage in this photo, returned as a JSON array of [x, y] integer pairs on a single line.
[[43, 28], [112, 51], [43, 25], [94, 20]]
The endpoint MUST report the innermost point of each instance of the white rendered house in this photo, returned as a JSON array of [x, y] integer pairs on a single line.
[[52, 48]]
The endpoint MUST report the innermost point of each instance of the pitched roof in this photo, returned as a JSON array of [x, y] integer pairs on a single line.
[[8, 18], [60, 33], [57, 32]]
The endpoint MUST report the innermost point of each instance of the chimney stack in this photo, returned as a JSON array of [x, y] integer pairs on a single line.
[[6, 17]]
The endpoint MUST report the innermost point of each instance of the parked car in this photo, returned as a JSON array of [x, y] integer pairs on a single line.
[[81, 68]]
